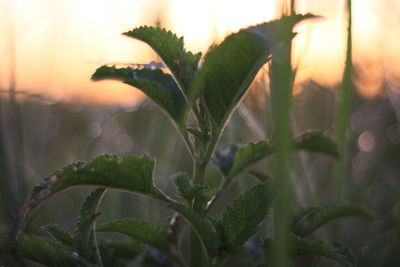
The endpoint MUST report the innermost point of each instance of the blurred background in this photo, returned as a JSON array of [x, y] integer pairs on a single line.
[[52, 114]]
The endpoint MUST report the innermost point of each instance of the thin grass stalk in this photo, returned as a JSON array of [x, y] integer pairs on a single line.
[[343, 115], [281, 81]]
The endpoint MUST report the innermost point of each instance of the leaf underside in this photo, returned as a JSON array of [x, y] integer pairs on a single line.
[[158, 86]]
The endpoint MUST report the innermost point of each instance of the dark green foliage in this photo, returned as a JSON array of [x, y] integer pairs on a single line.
[[84, 236], [126, 249], [45, 251], [316, 141], [204, 230], [242, 217], [300, 215], [139, 230], [313, 218], [226, 74], [58, 233], [170, 48], [300, 247], [129, 173], [247, 155], [185, 187], [211, 94], [158, 86]]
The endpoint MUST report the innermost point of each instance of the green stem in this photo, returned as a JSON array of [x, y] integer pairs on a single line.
[[343, 114], [196, 253], [196, 249], [281, 90]]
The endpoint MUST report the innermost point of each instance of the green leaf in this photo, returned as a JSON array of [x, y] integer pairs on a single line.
[[230, 68], [125, 249], [44, 251], [316, 141], [185, 187], [84, 240], [300, 215], [301, 247], [315, 218], [158, 86], [170, 48], [204, 230], [226, 74], [58, 233], [139, 230], [242, 217], [129, 173], [247, 155]]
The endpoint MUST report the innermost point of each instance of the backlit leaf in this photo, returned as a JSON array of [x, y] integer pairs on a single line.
[[316, 141], [226, 74], [170, 48], [158, 86], [230, 68]]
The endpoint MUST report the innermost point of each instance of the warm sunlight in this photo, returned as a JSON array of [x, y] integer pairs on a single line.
[[52, 47]]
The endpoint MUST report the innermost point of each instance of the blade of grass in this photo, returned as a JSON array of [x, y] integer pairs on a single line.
[[343, 115]]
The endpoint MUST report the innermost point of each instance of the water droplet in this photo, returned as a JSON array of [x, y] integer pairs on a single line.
[[366, 141]]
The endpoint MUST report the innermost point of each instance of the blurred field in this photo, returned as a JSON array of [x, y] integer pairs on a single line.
[[41, 133]]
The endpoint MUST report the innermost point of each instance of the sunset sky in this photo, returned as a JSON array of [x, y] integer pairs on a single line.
[[52, 47]]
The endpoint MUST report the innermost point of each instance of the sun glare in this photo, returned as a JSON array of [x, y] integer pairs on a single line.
[[52, 47]]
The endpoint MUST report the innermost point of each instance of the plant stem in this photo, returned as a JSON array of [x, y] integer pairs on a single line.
[[281, 90], [196, 253], [343, 114]]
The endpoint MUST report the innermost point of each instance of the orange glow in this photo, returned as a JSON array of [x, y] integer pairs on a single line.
[[52, 47]]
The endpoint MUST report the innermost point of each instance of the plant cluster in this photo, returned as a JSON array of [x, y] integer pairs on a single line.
[[198, 95]]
